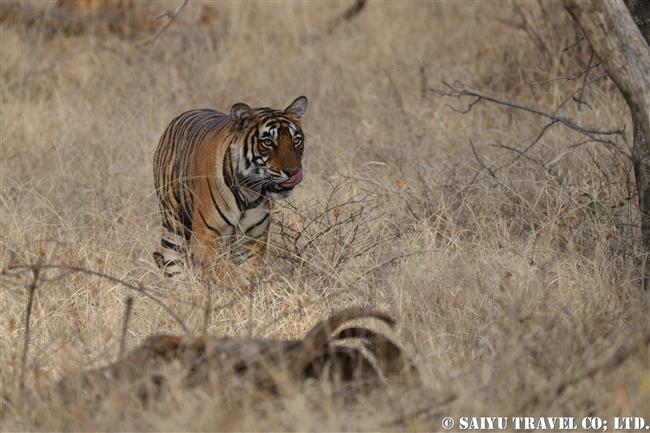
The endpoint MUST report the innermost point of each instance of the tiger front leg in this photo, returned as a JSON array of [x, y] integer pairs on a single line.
[[252, 242], [256, 249], [215, 265]]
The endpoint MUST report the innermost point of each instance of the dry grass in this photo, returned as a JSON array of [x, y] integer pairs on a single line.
[[505, 289]]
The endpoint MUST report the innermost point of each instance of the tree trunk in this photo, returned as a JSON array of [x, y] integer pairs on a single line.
[[640, 11], [625, 55]]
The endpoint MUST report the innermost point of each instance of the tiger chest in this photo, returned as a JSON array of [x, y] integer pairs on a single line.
[[254, 222], [249, 237]]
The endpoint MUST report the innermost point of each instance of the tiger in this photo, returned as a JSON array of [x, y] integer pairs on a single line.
[[217, 177]]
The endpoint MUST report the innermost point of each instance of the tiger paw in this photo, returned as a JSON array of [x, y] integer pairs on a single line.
[[229, 276], [251, 273]]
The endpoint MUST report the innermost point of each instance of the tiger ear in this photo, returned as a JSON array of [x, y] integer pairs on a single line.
[[297, 107], [242, 115]]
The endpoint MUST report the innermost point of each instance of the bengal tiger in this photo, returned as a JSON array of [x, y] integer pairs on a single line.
[[217, 177]]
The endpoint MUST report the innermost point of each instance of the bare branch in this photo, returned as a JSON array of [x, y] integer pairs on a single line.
[[348, 15], [125, 325], [208, 307], [68, 270], [565, 79], [354, 10], [540, 135], [589, 132], [541, 164], [580, 39], [572, 96], [530, 146], [28, 314], [171, 16], [584, 82], [481, 162], [250, 311]]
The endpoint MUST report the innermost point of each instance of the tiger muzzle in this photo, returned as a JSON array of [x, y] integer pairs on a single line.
[[294, 180]]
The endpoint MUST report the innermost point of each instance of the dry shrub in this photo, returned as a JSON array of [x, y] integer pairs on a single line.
[[326, 236], [513, 294]]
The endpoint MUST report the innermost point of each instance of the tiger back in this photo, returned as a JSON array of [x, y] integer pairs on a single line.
[[216, 177]]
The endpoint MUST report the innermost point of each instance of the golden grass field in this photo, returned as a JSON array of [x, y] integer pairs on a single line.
[[511, 298]]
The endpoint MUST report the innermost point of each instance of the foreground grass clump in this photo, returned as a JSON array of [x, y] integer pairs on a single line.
[[515, 289]]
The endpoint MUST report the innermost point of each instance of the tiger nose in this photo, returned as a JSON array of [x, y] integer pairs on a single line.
[[291, 171]]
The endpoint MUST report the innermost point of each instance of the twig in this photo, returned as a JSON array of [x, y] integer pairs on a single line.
[[66, 270], [125, 325], [32, 288], [354, 10], [530, 146], [250, 310], [171, 16], [584, 83], [469, 106], [423, 82], [565, 79], [348, 15], [540, 135], [541, 164], [5, 272], [573, 95], [580, 143], [479, 160], [208, 305], [580, 39]]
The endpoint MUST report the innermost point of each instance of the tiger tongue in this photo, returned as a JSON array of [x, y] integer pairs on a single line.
[[293, 180]]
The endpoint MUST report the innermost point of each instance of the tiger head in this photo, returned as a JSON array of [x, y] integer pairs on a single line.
[[272, 147]]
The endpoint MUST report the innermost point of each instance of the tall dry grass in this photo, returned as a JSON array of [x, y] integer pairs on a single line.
[[506, 289]]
